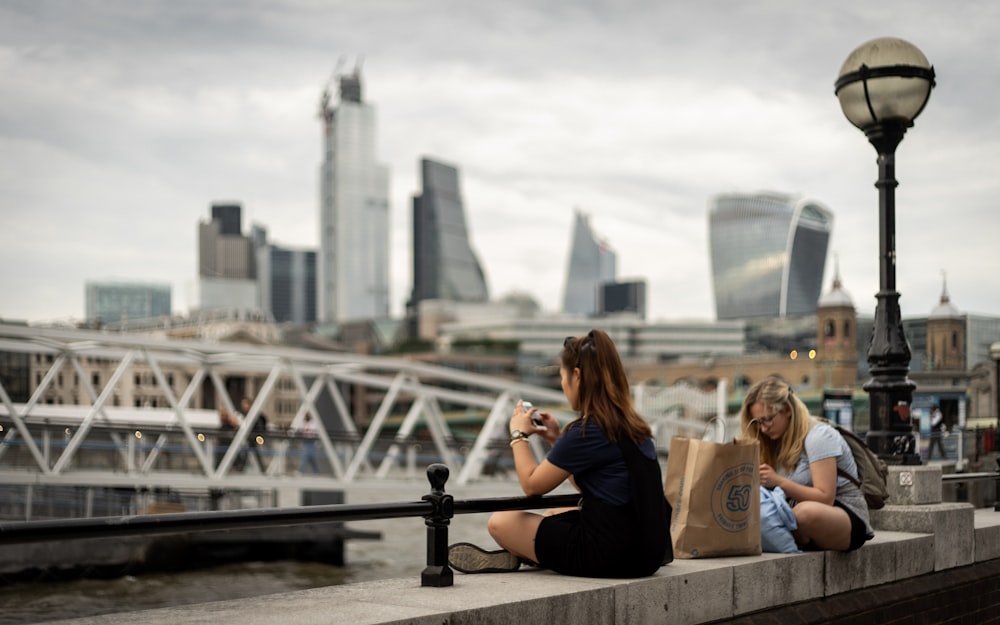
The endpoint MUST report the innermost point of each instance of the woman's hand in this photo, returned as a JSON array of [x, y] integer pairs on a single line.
[[521, 420], [549, 430], [769, 478]]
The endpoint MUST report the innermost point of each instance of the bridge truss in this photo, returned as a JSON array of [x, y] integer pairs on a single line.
[[415, 408]]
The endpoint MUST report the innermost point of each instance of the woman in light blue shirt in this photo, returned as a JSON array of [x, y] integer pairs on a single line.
[[809, 460]]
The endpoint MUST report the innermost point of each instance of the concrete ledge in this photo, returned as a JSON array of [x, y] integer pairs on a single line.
[[888, 557], [686, 591], [914, 484], [776, 579], [987, 534], [951, 524]]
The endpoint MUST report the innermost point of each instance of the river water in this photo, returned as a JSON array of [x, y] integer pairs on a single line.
[[401, 552]]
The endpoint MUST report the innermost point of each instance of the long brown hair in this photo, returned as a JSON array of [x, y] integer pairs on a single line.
[[604, 392], [775, 394]]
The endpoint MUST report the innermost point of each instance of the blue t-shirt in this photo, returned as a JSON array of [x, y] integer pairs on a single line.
[[822, 441], [597, 465]]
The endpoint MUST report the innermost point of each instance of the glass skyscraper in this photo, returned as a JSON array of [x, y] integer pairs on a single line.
[[444, 264], [286, 280], [768, 252], [227, 270], [591, 263], [121, 302], [353, 266]]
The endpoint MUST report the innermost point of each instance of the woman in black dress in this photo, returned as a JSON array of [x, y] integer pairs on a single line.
[[621, 528]]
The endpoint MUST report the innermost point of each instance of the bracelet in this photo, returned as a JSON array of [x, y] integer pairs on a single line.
[[518, 440]]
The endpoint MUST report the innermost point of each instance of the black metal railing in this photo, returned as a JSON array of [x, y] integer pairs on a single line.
[[437, 508], [962, 480]]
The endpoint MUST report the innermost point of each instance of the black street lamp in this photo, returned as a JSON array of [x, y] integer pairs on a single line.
[[882, 87]]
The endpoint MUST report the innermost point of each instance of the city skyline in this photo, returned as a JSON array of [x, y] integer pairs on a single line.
[[123, 122]]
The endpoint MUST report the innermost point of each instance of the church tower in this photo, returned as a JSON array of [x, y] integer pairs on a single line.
[[836, 337], [945, 335]]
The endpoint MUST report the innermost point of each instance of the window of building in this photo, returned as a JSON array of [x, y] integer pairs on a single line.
[[828, 329], [95, 378], [847, 329]]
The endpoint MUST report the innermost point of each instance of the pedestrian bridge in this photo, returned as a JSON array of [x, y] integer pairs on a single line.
[[68, 415]]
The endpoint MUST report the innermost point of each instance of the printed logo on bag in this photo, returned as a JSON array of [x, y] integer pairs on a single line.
[[731, 497]]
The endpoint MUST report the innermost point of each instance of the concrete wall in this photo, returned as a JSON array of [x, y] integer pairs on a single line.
[[928, 558], [930, 562]]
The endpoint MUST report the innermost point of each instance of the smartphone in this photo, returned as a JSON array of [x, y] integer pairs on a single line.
[[527, 405]]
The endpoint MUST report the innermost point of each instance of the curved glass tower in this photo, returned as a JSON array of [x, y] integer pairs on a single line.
[[768, 252], [444, 264]]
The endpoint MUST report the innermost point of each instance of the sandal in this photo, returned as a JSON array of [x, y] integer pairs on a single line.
[[468, 558]]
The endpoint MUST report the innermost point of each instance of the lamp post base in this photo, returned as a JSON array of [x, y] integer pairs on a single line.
[[890, 394], [894, 447]]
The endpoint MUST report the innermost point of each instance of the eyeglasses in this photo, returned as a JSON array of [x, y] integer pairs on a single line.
[[769, 419]]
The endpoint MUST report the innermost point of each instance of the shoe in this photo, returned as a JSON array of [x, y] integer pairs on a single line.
[[468, 558]]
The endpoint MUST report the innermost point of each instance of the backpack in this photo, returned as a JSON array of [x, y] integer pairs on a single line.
[[872, 471]]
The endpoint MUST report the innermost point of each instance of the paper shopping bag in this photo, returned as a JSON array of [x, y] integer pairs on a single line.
[[714, 490]]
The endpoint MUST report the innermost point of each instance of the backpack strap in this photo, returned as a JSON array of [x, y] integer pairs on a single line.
[[850, 478]]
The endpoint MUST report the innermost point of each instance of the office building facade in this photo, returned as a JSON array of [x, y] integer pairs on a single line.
[[768, 253], [444, 263], [591, 263], [628, 297], [287, 283], [353, 265], [227, 267], [121, 302]]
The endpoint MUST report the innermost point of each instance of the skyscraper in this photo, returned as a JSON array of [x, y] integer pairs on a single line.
[[286, 280], [227, 271], [353, 267], [768, 252], [591, 263], [444, 264]]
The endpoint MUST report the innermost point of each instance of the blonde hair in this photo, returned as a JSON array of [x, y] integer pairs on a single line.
[[775, 394]]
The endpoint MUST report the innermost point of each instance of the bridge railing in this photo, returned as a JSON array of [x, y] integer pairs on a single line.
[[437, 508]]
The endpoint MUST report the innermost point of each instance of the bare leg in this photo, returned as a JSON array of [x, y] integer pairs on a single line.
[[515, 530], [825, 527]]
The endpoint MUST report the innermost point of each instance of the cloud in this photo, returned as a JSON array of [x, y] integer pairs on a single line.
[[123, 121]]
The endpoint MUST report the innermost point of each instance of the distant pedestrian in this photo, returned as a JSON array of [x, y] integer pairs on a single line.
[[256, 432], [937, 432], [228, 424], [308, 434]]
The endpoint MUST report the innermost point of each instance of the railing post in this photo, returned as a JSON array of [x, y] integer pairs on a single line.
[[438, 573]]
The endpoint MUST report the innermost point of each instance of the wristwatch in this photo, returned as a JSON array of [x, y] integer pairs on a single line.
[[517, 434]]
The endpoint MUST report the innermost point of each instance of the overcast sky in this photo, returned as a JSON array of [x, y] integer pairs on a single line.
[[122, 121]]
